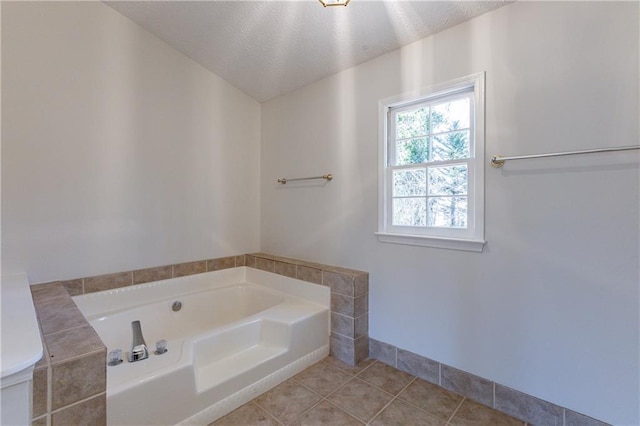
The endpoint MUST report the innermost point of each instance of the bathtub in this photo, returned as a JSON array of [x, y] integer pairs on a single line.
[[239, 332]]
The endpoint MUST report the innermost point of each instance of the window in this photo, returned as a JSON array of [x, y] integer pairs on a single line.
[[432, 166]]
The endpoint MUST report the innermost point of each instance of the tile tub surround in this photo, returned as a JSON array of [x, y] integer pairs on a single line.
[[69, 382], [349, 300], [514, 403], [68, 337], [349, 339], [92, 284]]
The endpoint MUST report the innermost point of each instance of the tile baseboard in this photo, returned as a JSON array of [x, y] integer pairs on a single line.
[[484, 391]]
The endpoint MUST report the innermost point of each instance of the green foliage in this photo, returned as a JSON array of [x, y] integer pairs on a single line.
[[418, 151]]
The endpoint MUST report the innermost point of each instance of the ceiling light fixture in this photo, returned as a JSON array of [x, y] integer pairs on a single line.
[[326, 3]]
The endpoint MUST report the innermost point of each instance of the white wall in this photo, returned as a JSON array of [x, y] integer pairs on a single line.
[[118, 152], [551, 305]]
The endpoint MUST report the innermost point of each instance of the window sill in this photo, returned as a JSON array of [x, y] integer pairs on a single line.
[[437, 242]]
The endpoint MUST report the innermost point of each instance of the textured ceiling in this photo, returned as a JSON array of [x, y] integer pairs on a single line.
[[268, 48]]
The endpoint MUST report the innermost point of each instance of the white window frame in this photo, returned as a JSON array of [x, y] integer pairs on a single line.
[[469, 239]]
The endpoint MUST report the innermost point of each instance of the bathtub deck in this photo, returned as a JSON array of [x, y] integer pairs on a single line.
[[333, 393]]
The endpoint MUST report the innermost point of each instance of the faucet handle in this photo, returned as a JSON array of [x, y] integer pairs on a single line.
[[161, 347], [115, 357]]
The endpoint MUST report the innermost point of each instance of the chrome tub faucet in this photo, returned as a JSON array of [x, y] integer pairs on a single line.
[[139, 349]]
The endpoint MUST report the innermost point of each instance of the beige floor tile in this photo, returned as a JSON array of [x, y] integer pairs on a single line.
[[473, 414], [298, 401], [399, 413], [247, 415], [431, 398], [287, 401], [326, 413], [360, 399], [387, 378], [322, 378]]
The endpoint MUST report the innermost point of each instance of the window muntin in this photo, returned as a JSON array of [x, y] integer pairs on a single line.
[[435, 134], [432, 171]]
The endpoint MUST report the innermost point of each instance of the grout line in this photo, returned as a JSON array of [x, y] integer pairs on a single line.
[[274, 418], [33, 419], [356, 417], [257, 404], [66, 329], [374, 386], [339, 387], [77, 357], [392, 399], [381, 410], [493, 402], [345, 412], [322, 398], [342, 335], [305, 386], [310, 408], [422, 409], [365, 369], [344, 315], [456, 410], [407, 385], [335, 366], [49, 388], [365, 382], [78, 402], [348, 372]]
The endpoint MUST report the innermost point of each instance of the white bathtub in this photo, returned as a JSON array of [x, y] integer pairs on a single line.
[[240, 332]]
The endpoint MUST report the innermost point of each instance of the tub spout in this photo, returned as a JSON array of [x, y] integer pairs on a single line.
[[138, 347]]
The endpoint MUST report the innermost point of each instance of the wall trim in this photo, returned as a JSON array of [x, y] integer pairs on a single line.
[[512, 402]]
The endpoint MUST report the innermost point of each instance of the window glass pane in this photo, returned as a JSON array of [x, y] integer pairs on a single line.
[[450, 146], [412, 151], [450, 116], [448, 212], [409, 211], [409, 182], [412, 123], [449, 180]]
